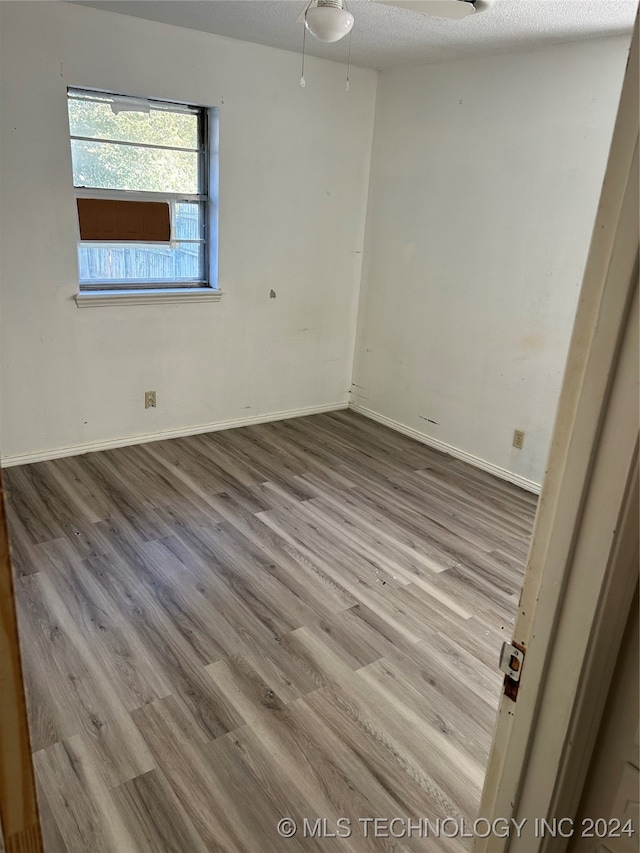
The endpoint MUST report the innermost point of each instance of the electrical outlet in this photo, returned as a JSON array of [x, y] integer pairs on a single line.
[[518, 437], [149, 399]]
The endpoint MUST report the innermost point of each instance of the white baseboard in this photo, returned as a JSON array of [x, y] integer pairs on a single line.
[[110, 444], [503, 473]]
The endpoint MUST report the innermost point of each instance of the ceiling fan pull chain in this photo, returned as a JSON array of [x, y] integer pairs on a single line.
[[346, 88], [303, 82]]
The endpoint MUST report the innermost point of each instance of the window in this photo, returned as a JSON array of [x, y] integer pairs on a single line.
[[141, 172]]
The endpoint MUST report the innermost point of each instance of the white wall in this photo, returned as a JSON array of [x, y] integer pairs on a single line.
[[294, 177], [484, 182], [486, 175]]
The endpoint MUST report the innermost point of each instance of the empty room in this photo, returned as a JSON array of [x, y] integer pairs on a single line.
[[288, 292]]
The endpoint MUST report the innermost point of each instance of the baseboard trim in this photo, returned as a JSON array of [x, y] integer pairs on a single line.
[[110, 444], [476, 461]]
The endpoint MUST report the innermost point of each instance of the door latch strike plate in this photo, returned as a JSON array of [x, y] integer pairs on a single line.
[[511, 663]]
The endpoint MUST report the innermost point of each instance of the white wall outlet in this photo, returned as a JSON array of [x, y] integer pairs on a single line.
[[518, 438], [149, 399]]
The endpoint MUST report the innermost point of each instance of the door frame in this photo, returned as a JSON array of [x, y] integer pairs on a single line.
[[19, 817]]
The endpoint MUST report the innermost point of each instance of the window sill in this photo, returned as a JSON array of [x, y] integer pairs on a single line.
[[99, 298]]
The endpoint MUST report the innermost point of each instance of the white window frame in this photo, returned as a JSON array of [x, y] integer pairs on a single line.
[[131, 291]]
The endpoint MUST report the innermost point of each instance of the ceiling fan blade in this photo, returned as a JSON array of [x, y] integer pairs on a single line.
[[454, 9]]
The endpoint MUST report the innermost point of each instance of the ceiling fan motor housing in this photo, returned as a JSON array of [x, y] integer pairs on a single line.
[[328, 20]]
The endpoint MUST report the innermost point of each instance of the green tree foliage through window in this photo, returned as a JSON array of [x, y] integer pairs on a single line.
[[129, 167]]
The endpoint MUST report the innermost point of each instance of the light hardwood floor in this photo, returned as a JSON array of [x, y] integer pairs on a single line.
[[299, 619]]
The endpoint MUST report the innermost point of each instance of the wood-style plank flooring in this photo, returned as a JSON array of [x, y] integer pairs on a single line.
[[299, 619]]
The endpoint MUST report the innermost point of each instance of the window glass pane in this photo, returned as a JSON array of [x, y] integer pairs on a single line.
[[188, 221], [102, 117], [153, 263], [123, 167]]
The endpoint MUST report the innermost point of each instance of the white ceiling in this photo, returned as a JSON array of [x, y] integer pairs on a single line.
[[387, 37]]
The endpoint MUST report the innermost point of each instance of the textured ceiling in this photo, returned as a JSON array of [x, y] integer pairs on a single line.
[[387, 37]]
